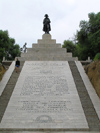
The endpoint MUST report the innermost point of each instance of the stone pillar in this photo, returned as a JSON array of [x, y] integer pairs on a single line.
[[3, 58], [46, 36], [89, 59]]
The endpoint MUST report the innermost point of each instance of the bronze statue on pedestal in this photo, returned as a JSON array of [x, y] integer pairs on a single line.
[[46, 24]]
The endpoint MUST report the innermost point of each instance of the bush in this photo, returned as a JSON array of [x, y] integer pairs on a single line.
[[97, 57], [2, 71]]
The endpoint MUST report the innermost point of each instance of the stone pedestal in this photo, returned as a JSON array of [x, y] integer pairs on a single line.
[[46, 42], [46, 49], [46, 39]]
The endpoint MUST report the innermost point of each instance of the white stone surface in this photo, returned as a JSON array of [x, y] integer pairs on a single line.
[[45, 96], [91, 91], [46, 49], [6, 77]]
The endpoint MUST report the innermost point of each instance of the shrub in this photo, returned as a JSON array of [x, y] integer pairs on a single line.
[[97, 57]]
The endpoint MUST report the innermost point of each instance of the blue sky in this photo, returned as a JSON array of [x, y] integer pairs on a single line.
[[24, 18]]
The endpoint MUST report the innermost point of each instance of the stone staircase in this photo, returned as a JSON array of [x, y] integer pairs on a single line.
[[46, 49], [89, 110], [5, 97]]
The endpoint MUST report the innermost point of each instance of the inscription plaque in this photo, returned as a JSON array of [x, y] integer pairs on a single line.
[[45, 106], [45, 86], [45, 96], [44, 119]]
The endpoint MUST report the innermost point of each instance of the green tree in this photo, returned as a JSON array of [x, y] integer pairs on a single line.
[[89, 37], [70, 46], [13, 51], [4, 41], [8, 48], [97, 57]]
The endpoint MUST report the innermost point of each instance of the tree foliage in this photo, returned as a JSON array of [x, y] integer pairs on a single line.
[[89, 37], [97, 57], [8, 48], [70, 46]]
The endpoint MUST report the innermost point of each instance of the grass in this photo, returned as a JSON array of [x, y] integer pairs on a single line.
[[2, 71]]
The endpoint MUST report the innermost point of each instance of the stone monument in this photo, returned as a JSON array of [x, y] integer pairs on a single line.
[[45, 97], [46, 49], [49, 94]]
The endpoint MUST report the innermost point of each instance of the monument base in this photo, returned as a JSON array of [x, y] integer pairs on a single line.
[[45, 97], [46, 49]]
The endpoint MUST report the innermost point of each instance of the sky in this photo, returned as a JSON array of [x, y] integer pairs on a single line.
[[24, 18]]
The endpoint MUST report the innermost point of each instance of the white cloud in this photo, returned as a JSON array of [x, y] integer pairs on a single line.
[[23, 18], [71, 2]]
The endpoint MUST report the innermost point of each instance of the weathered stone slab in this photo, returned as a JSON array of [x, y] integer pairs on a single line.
[[45, 97]]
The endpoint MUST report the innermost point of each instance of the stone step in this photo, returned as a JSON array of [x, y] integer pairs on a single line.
[[46, 57], [46, 50], [89, 110], [5, 97], [46, 45], [50, 131]]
